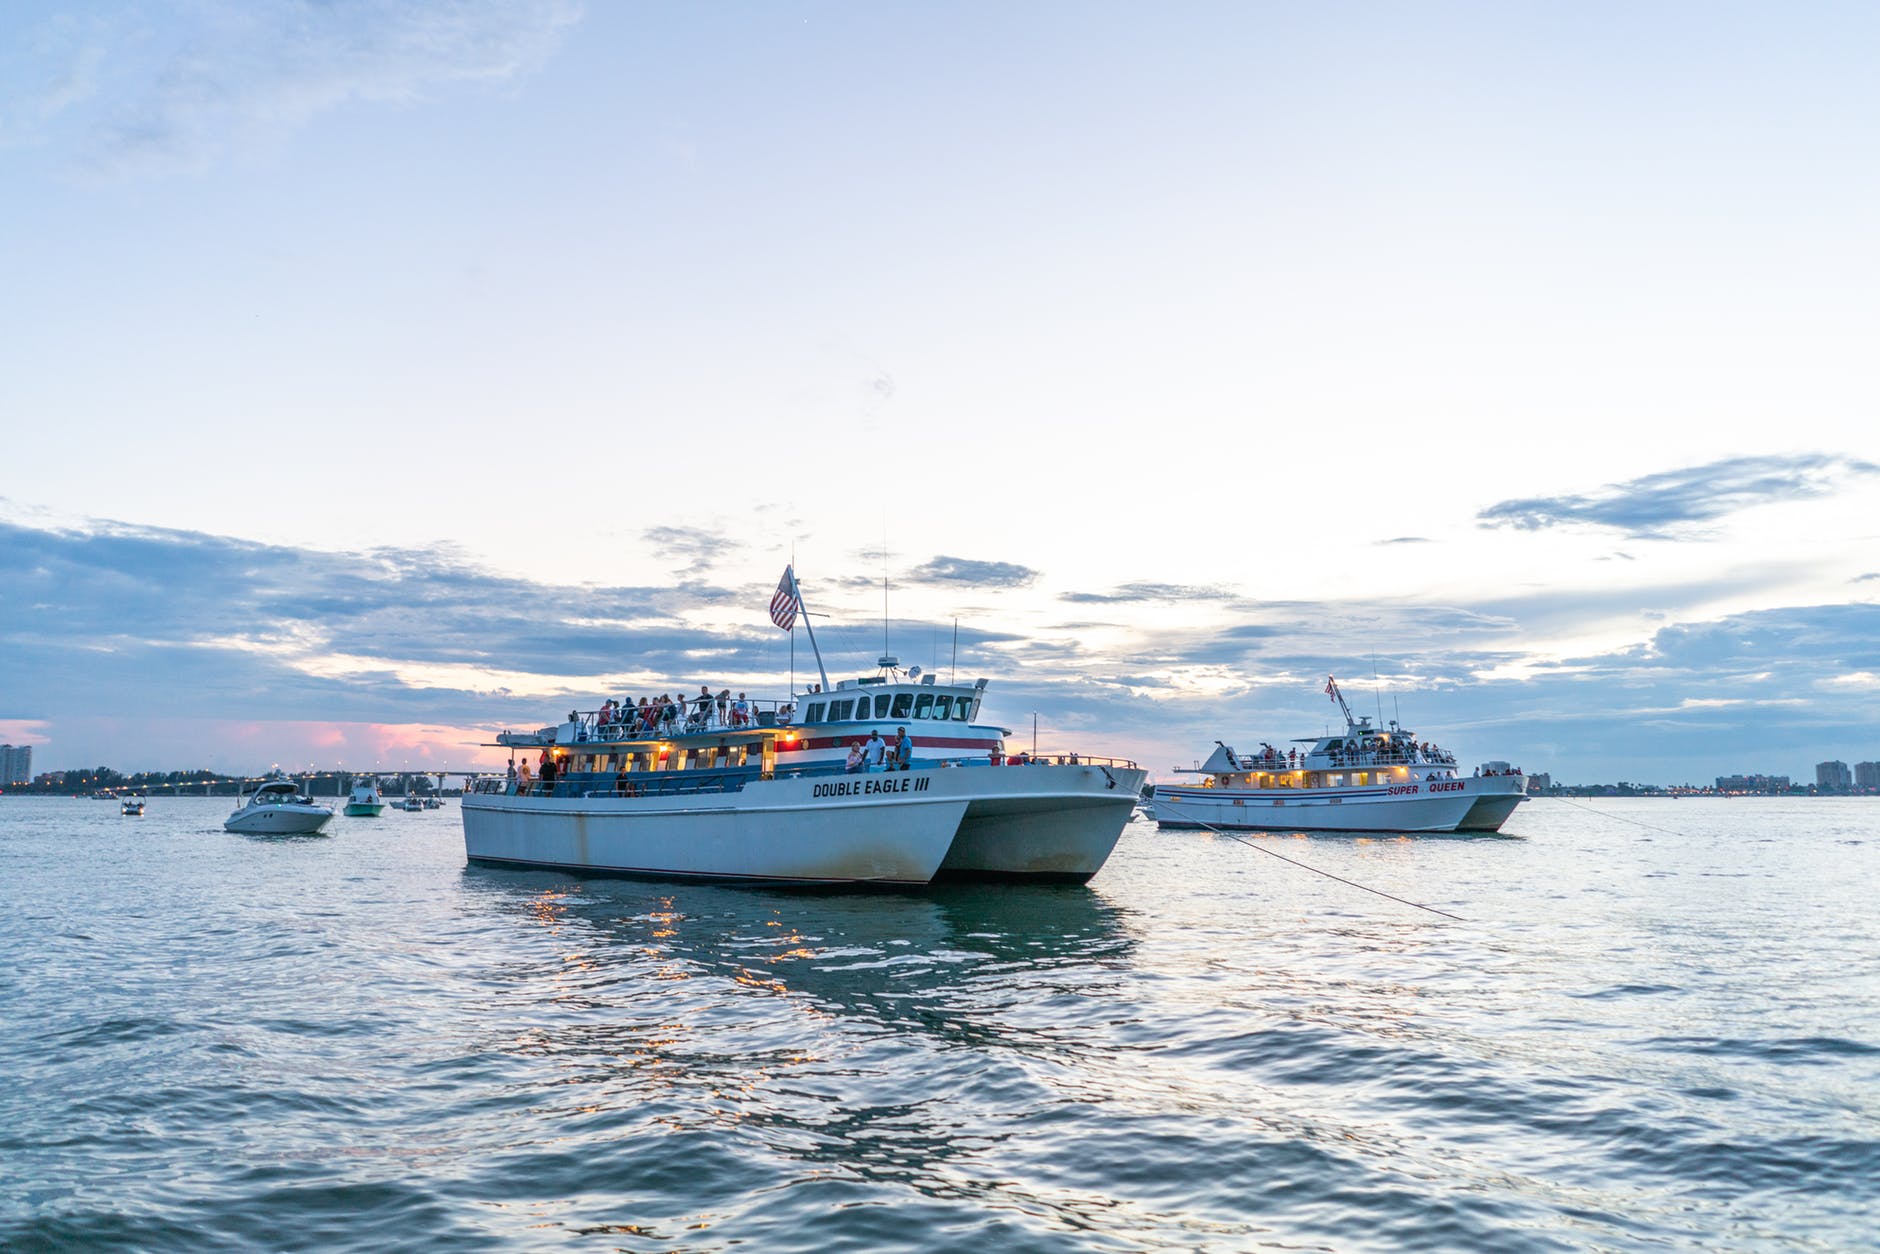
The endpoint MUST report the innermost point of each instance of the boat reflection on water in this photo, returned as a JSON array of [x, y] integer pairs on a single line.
[[937, 961]]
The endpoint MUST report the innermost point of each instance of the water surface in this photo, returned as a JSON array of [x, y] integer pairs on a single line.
[[1657, 1028]]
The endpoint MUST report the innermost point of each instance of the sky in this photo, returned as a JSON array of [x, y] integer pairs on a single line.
[[374, 376]]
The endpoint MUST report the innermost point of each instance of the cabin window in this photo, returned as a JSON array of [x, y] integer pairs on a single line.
[[903, 702], [963, 709], [942, 706], [881, 706], [923, 705], [841, 711], [815, 713]]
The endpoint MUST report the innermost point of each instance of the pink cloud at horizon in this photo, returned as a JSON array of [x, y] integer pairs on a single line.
[[246, 746]]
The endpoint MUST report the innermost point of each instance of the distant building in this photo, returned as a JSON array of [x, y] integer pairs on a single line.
[[1540, 781], [1752, 783], [16, 765], [1833, 777], [1867, 775]]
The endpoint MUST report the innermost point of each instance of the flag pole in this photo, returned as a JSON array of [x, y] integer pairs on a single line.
[[797, 588]]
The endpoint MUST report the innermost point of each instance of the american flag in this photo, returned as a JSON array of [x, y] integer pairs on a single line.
[[784, 602], [1331, 687]]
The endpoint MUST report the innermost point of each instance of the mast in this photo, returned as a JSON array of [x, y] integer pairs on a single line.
[[1331, 687], [797, 588]]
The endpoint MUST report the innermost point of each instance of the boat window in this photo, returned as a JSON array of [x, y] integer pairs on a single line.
[[903, 702], [814, 714], [942, 706], [923, 706], [840, 711], [963, 710], [881, 706]]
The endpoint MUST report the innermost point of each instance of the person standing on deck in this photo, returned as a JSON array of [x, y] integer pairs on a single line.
[[875, 750], [903, 750]]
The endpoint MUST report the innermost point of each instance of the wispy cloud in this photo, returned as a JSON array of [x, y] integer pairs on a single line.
[[1404, 540], [1659, 506], [1131, 592], [943, 569], [180, 89], [697, 547]]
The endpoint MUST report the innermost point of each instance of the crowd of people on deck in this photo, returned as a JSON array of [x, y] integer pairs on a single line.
[[667, 714], [1371, 750]]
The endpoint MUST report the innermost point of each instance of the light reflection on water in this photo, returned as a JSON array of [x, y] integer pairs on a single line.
[[1637, 1038]]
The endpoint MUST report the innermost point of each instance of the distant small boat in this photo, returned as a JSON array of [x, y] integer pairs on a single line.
[[364, 801], [277, 808], [433, 803], [133, 806], [412, 803]]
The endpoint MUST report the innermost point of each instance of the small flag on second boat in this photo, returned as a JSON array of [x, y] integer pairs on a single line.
[[784, 603]]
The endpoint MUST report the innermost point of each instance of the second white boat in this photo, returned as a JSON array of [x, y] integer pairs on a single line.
[[1365, 779]]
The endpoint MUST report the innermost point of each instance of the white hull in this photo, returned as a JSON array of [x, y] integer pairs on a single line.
[[278, 820], [1053, 826], [895, 828], [1478, 804]]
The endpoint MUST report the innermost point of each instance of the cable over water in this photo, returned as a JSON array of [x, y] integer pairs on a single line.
[[1161, 805], [1620, 817]]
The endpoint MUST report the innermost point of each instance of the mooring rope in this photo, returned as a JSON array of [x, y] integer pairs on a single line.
[[1620, 817], [1160, 805]]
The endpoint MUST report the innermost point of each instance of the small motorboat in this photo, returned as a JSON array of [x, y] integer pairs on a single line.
[[412, 803], [132, 806], [364, 801], [278, 808]]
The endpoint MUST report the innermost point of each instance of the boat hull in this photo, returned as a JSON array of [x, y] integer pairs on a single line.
[[279, 820], [364, 809], [1052, 823], [1465, 805], [894, 828]]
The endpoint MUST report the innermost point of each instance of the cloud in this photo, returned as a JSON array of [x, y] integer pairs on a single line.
[[1868, 577], [221, 74], [131, 626], [1665, 504], [697, 547], [1404, 540], [943, 569], [1130, 592]]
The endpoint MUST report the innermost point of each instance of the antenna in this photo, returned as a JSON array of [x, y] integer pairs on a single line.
[[954, 669], [885, 651]]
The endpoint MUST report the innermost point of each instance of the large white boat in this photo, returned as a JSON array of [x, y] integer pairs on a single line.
[[277, 808], [761, 791], [1367, 779], [364, 801]]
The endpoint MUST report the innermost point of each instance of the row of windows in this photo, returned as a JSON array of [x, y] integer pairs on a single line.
[[894, 705], [700, 759]]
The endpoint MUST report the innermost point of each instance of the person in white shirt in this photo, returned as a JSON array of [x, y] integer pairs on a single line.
[[875, 750]]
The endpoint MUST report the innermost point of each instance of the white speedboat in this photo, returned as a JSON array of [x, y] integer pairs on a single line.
[[132, 806], [364, 801], [411, 804], [1366, 779], [277, 808], [763, 792]]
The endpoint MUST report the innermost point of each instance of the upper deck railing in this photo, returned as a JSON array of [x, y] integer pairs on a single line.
[[674, 783]]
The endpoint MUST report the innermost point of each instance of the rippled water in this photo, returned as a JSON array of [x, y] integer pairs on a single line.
[[1641, 1038]]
